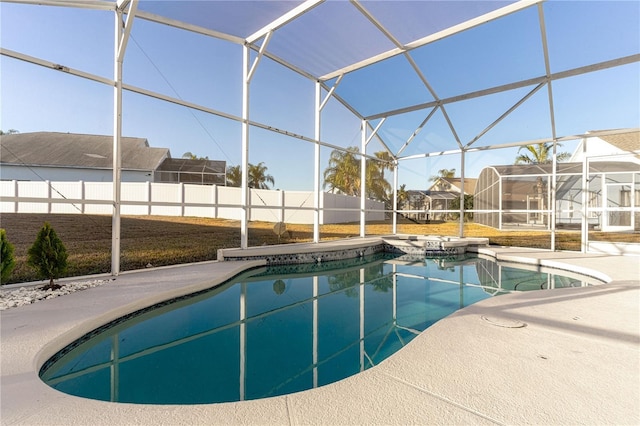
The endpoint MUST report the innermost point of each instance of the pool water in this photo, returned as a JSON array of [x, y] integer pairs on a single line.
[[278, 330]]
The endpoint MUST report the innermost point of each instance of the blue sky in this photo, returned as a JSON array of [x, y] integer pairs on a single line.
[[207, 71]]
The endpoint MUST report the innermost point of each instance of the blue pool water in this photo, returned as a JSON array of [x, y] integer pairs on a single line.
[[278, 330]]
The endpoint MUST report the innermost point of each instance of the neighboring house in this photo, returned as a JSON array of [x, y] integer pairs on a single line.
[[518, 195], [438, 197], [52, 156], [620, 144]]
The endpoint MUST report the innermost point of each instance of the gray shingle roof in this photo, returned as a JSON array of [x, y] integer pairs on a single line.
[[77, 150], [629, 142]]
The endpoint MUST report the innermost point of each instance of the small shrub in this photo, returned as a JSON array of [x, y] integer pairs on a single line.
[[48, 255], [6, 257]]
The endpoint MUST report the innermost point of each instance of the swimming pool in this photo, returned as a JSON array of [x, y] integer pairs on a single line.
[[279, 330]]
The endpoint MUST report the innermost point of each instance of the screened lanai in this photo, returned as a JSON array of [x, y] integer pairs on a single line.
[[406, 88]]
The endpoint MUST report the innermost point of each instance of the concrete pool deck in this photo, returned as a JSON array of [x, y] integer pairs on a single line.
[[576, 362]]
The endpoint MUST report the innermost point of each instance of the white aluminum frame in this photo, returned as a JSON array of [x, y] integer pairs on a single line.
[[252, 43]]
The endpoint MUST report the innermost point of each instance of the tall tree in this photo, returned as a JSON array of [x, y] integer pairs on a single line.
[[258, 177], [540, 153], [443, 173], [402, 196], [234, 176], [343, 174], [191, 156]]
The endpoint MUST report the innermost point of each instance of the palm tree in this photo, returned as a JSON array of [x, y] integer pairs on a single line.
[[234, 176], [402, 196], [443, 173], [191, 156], [343, 174], [539, 154], [258, 176], [376, 185]]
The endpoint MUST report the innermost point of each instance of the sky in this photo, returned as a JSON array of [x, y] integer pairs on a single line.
[[207, 71]]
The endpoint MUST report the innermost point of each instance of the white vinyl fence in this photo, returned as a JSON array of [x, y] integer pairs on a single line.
[[168, 199]]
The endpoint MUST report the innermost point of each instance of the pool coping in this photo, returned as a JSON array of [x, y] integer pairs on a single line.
[[436, 379]]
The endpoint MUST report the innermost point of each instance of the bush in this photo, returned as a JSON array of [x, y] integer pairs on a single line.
[[48, 255], [6, 257]]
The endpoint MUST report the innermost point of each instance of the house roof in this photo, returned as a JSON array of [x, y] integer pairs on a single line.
[[629, 141], [469, 183], [78, 151]]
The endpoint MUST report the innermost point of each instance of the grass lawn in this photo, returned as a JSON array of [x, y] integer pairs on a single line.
[[160, 240]]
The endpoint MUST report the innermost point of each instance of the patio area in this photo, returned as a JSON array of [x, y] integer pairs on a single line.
[[575, 362]]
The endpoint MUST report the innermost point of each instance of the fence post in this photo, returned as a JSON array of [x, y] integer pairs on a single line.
[[49, 200], [15, 194], [282, 207], [182, 199], [215, 201], [82, 196], [148, 198]]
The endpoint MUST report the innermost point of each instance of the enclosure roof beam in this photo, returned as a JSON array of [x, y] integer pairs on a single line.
[[124, 39], [333, 88], [415, 132], [81, 4], [188, 27], [375, 131], [284, 19], [589, 134], [122, 4], [516, 85], [503, 116], [512, 8], [256, 61]]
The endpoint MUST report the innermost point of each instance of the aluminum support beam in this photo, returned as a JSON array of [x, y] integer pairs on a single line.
[[121, 36], [462, 194], [316, 164], [117, 137], [244, 213], [554, 160], [363, 178], [394, 221], [584, 215]]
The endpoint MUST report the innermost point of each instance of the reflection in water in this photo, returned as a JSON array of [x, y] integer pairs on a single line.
[[280, 330]]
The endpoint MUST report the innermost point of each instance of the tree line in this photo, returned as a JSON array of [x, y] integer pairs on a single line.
[[343, 176]]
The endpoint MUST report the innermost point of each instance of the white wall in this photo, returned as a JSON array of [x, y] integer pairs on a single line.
[[596, 147], [168, 199]]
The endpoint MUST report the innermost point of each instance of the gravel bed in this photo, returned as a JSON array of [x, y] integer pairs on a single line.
[[13, 298]]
